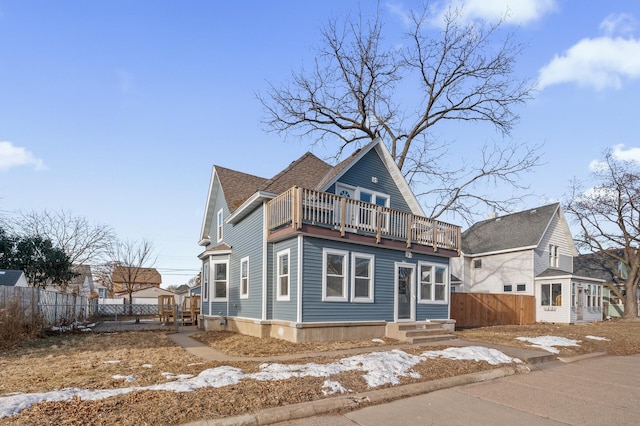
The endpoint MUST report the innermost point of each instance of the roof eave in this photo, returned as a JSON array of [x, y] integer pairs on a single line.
[[249, 205]]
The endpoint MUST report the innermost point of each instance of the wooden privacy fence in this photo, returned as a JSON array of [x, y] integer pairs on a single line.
[[483, 309]]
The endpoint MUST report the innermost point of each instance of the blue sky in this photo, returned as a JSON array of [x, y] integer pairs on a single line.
[[117, 110]]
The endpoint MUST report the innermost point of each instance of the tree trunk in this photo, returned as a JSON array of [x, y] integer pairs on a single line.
[[631, 304]]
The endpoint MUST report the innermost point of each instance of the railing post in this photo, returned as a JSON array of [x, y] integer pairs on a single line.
[[343, 207], [409, 230], [298, 207], [435, 235], [378, 221]]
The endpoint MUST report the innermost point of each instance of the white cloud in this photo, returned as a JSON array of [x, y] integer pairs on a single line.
[[628, 154], [619, 24], [601, 62], [517, 12], [16, 156]]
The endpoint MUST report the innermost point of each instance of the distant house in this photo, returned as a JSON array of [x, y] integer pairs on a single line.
[[13, 278], [321, 252], [147, 296], [530, 253], [82, 283], [139, 278], [594, 265]]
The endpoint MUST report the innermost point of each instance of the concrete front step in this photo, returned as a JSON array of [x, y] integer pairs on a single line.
[[420, 326], [427, 332], [431, 338]]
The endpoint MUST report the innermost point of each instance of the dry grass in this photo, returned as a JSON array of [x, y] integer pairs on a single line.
[[623, 336], [80, 360], [236, 344], [17, 325]]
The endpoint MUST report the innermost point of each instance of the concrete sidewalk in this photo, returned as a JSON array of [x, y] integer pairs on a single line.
[[596, 391]]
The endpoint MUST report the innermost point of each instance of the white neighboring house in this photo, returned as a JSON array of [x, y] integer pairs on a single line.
[[147, 296], [13, 278], [530, 253]]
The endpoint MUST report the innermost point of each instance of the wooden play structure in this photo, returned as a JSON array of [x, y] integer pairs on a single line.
[[187, 312]]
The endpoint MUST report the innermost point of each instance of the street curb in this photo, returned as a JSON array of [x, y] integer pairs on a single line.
[[324, 406], [577, 358]]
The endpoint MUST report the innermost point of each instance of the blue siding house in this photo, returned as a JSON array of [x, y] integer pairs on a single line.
[[321, 252]]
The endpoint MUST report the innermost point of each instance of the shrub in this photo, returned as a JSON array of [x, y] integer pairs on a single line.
[[17, 324]]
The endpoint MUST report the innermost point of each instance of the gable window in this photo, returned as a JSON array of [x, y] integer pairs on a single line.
[[551, 294], [334, 275], [507, 288], [219, 225], [433, 283], [477, 263], [205, 281], [553, 256], [283, 275], [362, 277], [244, 278], [220, 280]]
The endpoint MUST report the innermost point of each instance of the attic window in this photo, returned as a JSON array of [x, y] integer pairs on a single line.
[[477, 263]]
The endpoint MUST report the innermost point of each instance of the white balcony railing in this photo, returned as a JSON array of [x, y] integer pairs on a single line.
[[298, 206]]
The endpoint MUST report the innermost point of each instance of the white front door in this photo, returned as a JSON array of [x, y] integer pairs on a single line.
[[405, 286]]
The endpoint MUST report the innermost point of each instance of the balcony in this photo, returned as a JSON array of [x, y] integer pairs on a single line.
[[305, 209]]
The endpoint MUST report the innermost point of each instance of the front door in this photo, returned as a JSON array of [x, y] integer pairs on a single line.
[[580, 302], [405, 290]]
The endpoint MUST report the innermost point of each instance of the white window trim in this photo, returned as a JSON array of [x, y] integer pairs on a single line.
[[212, 281], [371, 258], [279, 255], [219, 225], [447, 284], [244, 295], [345, 255]]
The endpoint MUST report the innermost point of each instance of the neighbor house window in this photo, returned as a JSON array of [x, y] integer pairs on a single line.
[[362, 277], [334, 275], [219, 225], [521, 287], [220, 280], [507, 288], [573, 295], [553, 256], [433, 283], [477, 263], [551, 295], [205, 281], [244, 278], [283, 275]]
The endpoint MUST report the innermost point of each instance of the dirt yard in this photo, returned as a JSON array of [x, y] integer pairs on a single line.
[[95, 361]]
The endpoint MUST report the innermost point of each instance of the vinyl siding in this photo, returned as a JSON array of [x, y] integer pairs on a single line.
[[246, 239], [285, 310], [555, 235], [498, 270], [369, 166], [315, 310]]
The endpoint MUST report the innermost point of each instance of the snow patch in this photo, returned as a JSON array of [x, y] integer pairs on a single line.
[[473, 353], [329, 387], [549, 343], [597, 338]]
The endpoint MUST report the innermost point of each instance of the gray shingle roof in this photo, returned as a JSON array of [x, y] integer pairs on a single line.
[[594, 265], [522, 229], [9, 277]]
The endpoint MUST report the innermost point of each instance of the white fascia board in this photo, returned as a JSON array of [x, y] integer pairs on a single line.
[[491, 253], [248, 206], [357, 158], [210, 199]]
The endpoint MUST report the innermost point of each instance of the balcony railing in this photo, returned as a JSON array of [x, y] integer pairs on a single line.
[[298, 206]]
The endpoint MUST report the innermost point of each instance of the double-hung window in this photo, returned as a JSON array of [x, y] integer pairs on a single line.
[[244, 278], [551, 294], [220, 280], [554, 260], [433, 283], [219, 224], [362, 266], [283, 275], [334, 275], [205, 281]]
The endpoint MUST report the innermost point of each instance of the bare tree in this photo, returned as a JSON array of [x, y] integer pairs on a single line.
[[131, 261], [351, 95], [608, 216], [82, 241]]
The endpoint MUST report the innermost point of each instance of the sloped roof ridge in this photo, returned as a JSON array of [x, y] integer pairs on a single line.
[[335, 170], [307, 170], [516, 214]]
